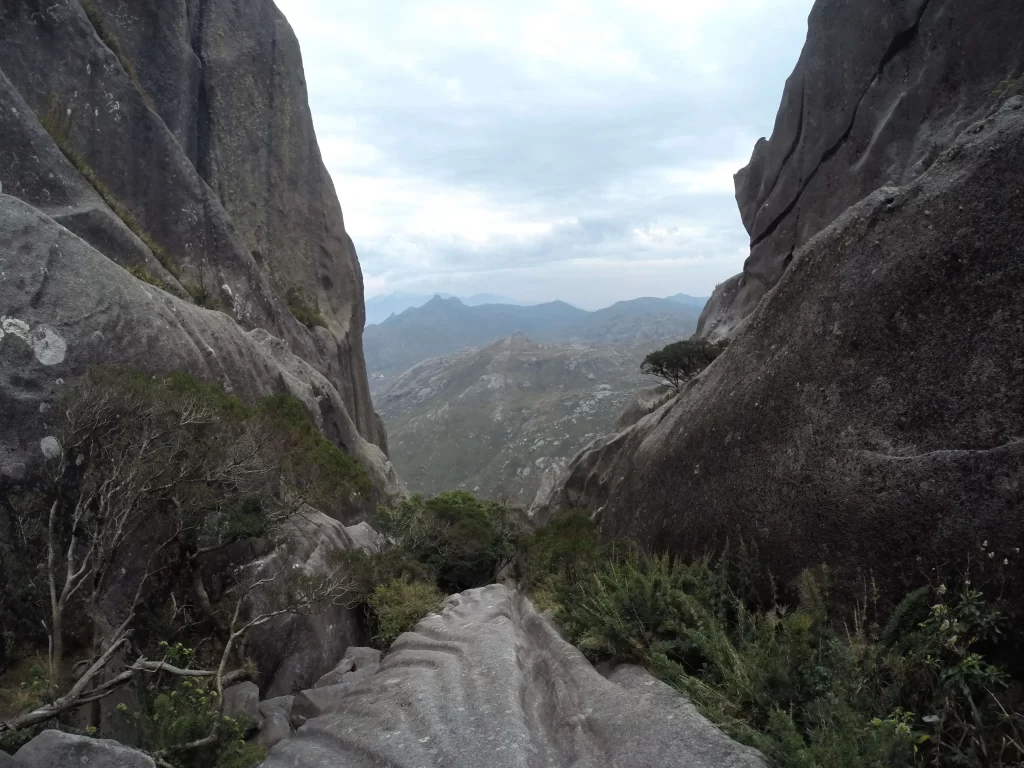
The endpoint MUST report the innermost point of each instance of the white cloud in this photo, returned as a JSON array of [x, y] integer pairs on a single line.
[[544, 143]]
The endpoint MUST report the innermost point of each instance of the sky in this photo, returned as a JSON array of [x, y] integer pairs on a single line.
[[549, 149]]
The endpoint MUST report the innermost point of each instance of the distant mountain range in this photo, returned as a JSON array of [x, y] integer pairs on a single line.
[[504, 420], [442, 326], [380, 308]]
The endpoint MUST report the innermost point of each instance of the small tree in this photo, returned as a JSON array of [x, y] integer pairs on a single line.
[[153, 477], [682, 360]]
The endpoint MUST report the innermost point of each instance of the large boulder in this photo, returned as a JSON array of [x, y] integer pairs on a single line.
[[870, 416], [489, 683], [275, 725], [881, 89], [216, 191], [293, 651], [56, 749], [242, 701]]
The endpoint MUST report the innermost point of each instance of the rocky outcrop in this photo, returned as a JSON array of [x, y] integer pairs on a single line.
[[175, 139], [870, 416], [488, 682], [291, 652], [67, 307], [881, 89], [51, 749]]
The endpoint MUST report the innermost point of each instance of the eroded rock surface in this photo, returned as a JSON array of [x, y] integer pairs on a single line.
[[487, 683], [174, 138], [870, 416], [881, 89], [293, 651], [66, 306], [55, 749]]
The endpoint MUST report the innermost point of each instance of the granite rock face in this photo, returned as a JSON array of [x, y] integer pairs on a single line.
[[293, 651], [487, 683], [870, 415], [51, 749], [66, 306], [174, 138], [881, 89]]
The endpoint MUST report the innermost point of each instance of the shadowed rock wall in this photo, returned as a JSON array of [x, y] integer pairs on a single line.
[[881, 89]]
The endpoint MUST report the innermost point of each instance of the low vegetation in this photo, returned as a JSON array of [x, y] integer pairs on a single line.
[[157, 495], [806, 683], [433, 547], [682, 361], [305, 309]]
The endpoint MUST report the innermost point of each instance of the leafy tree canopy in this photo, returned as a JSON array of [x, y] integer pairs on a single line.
[[682, 360]]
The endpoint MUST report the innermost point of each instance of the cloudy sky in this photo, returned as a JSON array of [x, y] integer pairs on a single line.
[[544, 149]]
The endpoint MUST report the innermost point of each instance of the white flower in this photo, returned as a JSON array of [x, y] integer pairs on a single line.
[[942, 589], [991, 555], [1006, 561]]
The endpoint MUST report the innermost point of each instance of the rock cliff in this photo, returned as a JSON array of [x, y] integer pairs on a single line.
[[870, 413], [881, 89], [174, 140]]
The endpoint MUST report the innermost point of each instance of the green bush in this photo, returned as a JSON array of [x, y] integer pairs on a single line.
[[804, 687], [177, 711], [399, 604], [305, 309], [463, 541]]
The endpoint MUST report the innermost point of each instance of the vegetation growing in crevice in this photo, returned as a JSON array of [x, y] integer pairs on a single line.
[[432, 547], [141, 274], [56, 119], [306, 310], [110, 40], [806, 683]]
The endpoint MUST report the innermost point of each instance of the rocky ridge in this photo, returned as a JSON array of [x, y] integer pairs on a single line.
[[503, 421], [216, 196]]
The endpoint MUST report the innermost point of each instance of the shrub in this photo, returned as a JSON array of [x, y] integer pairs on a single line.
[[681, 361], [460, 539], [798, 684], [178, 711], [306, 310], [399, 604]]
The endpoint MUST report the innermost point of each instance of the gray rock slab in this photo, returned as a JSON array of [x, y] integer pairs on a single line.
[[242, 700], [335, 675], [55, 749], [362, 656], [913, 76], [489, 684], [279, 704]]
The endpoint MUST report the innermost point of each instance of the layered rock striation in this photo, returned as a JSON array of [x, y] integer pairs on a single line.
[[173, 139], [487, 683]]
